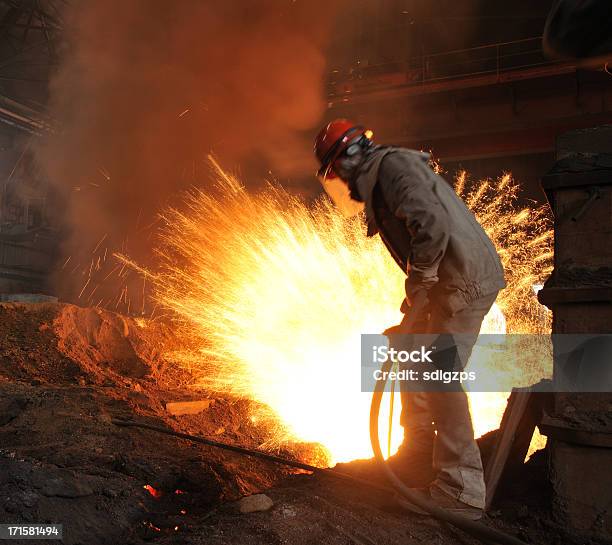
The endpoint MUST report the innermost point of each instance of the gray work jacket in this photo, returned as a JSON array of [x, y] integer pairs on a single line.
[[427, 228]]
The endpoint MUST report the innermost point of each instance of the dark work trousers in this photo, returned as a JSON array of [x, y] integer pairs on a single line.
[[456, 457]]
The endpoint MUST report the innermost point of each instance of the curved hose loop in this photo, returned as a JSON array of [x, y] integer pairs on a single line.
[[480, 531]]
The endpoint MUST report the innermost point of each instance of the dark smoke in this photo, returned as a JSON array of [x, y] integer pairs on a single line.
[[147, 88]]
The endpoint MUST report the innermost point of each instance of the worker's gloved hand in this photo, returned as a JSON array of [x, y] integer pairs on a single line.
[[417, 298], [416, 316], [415, 311]]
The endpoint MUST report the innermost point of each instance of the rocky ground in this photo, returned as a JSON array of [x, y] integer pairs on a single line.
[[66, 372]]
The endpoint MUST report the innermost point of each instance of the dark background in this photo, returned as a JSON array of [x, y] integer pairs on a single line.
[[109, 109]]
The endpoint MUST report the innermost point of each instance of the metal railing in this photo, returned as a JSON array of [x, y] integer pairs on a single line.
[[461, 63]]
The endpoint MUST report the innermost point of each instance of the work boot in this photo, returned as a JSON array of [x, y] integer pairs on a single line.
[[413, 466], [442, 500]]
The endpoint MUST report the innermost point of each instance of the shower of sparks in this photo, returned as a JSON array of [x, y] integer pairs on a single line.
[[274, 295], [523, 238]]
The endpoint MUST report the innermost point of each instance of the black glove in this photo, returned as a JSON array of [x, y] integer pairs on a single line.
[[416, 311]]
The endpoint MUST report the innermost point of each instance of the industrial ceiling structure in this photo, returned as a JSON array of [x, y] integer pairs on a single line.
[[29, 42], [467, 81], [29, 34]]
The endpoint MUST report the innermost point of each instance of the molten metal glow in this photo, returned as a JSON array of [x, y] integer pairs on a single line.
[[274, 294]]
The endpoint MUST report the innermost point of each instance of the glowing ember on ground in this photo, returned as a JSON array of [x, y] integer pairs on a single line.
[[155, 493], [152, 526], [275, 295]]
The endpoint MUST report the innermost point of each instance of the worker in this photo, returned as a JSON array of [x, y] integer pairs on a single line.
[[453, 277]]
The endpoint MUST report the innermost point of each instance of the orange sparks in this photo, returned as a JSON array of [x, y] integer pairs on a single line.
[[275, 293]]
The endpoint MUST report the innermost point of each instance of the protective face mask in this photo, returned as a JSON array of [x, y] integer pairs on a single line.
[[346, 166], [336, 181], [338, 191]]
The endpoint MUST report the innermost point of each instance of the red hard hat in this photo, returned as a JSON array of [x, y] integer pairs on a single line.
[[333, 139]]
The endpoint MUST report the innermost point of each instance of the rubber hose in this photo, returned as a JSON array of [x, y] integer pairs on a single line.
[[476, 529]]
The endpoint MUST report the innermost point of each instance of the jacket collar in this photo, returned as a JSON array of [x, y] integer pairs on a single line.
[[365, 181]]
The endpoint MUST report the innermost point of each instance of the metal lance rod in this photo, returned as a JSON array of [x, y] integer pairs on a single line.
[[480, 531], [252, 452]]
